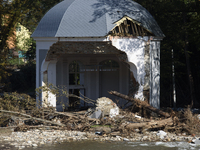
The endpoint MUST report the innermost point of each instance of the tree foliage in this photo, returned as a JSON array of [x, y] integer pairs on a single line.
[[180, 22], [27, 13]]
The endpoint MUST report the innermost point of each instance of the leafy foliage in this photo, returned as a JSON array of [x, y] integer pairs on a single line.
[[16, 102], [27, 13], [31, 53]]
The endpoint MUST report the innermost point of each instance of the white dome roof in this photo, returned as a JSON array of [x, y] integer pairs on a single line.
[[92, 18]]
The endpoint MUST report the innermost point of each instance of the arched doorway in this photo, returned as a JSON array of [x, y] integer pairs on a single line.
[[108, 77]]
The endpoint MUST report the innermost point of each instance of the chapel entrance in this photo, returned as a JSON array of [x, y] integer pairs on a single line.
[[108, 77]]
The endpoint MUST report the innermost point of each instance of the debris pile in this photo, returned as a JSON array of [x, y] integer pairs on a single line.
[[105, 107], [106, 119]]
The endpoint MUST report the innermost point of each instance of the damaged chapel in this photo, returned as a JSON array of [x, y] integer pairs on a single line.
[[95, 46]]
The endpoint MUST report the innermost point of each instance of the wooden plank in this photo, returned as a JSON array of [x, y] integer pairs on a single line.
[[125, 22], [139, 30], [119, 29], [132, 28], [137, 34], [122, 31], [115, 30], [117, 33], [143, 34], [126, 27]]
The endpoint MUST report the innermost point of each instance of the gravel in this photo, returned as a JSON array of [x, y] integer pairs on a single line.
[[35, 138]]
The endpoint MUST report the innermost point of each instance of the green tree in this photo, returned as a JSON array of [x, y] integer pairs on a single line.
[[26, 12], [11, 12], [31, 53]]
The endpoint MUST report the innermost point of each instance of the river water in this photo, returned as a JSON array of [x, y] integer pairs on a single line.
[[90, 145]]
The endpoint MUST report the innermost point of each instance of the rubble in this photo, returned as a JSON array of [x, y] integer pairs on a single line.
[[104, 107], [97, 114], [161, 134], [108, 122], [107, 106], [114, 112]]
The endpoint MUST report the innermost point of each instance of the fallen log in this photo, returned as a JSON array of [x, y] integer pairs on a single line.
[[151, 124], [140, 103], [34, 118], [76, 116], [66, 114]]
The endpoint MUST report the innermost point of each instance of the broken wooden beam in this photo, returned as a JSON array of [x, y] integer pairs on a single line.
[[140, 103], [150, 125]]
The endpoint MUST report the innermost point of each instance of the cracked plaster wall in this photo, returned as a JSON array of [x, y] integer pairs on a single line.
[[143, 58], [135, 50], [155, 73]]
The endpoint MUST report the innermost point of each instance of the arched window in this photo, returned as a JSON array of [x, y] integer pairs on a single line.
[[75, 74]]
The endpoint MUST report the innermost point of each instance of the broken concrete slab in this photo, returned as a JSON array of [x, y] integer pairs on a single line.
[[114, 112], [97, 114], [105, 105]]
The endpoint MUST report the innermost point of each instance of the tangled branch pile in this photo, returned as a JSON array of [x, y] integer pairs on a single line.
[[20, 112]]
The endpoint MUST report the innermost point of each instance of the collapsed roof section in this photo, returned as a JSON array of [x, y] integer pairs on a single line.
[[129, 27]]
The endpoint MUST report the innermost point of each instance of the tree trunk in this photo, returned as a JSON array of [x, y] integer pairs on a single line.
[[189, 73], [140, 103], [152, 124]]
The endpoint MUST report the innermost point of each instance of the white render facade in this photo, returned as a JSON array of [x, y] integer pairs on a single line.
[[122, 59]]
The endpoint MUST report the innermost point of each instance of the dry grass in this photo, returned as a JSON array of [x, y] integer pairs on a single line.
[[15, 102], [191, 121]]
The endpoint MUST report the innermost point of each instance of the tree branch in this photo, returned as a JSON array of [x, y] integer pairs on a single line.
[[34, 118], [140, 103]]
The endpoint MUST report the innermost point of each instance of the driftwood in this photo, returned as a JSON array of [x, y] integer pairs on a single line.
[[70, 120], [75, 116], [140, 103], [34, 118], [150, 125], [66, 114], [81, 122]]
